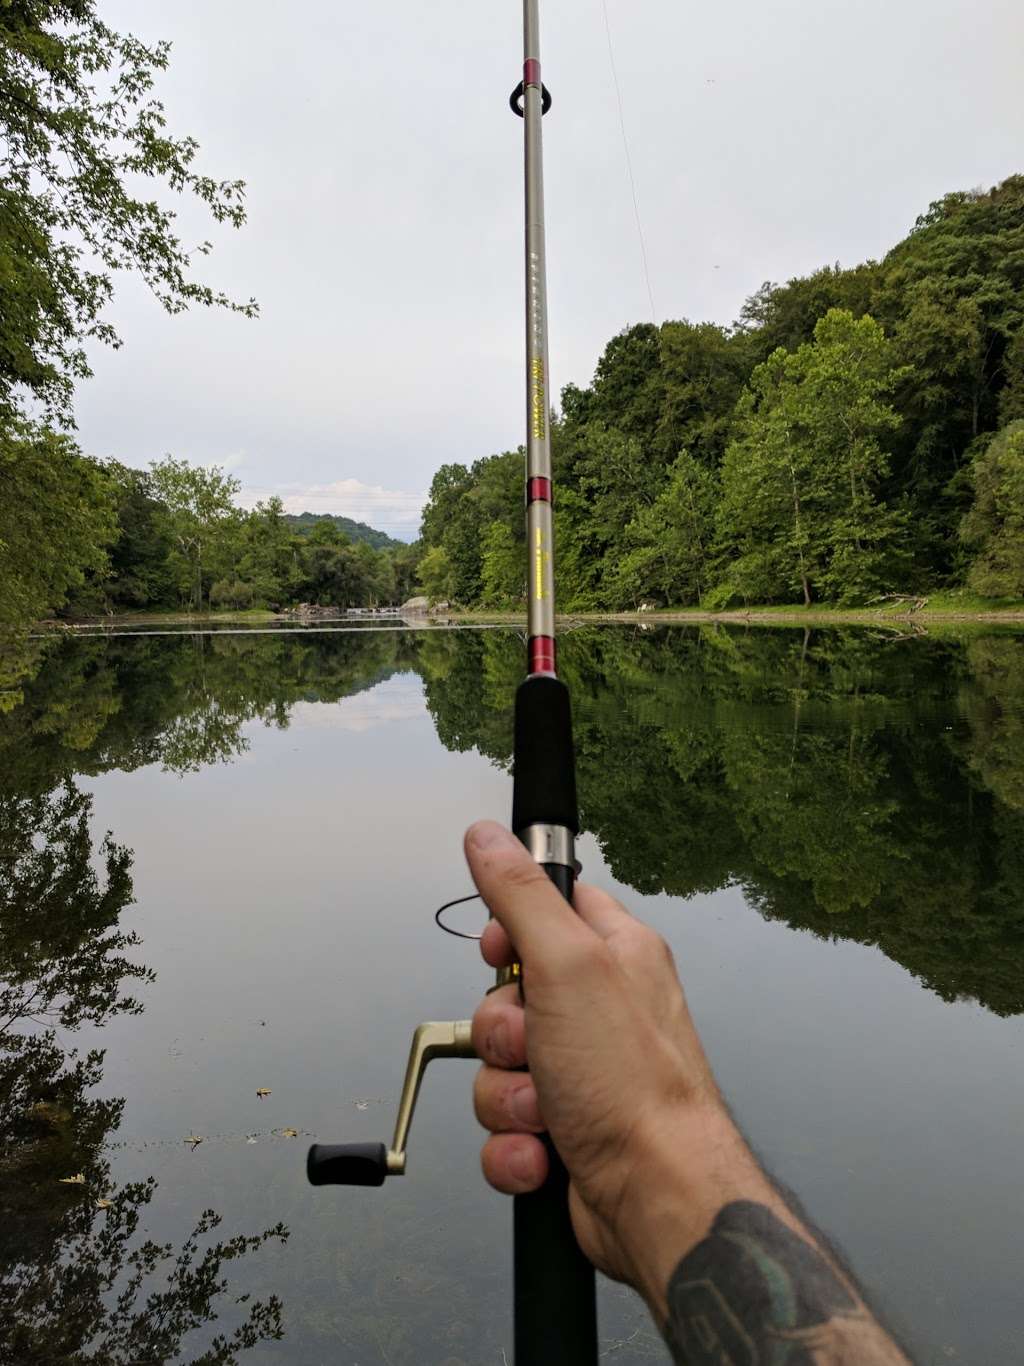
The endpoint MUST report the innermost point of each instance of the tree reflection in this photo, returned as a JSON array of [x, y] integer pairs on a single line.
[[854, 786], [62, 953], [92, 705], [79, 1285], [813, 771]]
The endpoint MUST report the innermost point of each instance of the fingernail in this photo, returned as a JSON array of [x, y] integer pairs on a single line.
[[490, 835], [522, 1106], [522, 1166]]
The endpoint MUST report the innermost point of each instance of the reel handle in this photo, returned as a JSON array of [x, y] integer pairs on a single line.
[[347, 1164]]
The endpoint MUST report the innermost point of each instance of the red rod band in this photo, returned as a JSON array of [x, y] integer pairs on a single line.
[[531, 72], [541, 651], [538, 490]]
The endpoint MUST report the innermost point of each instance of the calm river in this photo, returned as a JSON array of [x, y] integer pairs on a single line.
[[220, 856]]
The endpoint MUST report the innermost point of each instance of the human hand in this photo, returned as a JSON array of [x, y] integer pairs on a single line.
[[617, 1074]]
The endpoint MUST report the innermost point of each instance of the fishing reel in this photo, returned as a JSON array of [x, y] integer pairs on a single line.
[[370, 1164], [544, 816]]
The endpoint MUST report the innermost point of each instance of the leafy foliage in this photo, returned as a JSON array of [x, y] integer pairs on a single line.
[[81, 133], [800, 507], [995, 524], [830, 433], [56, 520]]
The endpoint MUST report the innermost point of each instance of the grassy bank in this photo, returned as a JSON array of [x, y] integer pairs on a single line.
[[120, 620], [934, 611], [948, 609]]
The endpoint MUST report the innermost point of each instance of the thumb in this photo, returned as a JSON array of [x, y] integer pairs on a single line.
[[519, 894]]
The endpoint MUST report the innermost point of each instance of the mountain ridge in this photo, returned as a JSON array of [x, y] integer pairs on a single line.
[[304, 522]]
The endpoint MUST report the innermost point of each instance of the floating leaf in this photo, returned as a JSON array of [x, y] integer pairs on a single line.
[[78, 1180], [262, 1091], [195, 1140], [289, 1133]]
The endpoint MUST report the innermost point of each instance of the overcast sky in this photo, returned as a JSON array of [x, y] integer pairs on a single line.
[[384, 191]]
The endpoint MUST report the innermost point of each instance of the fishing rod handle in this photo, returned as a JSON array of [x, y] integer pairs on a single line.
[[555, 1302], [555, 1293]]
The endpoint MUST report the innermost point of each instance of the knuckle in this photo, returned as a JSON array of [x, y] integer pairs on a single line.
[[525, 875], [483, 1022], [647, 943]]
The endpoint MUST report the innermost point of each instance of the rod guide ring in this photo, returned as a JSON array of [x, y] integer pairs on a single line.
[[519, 94]]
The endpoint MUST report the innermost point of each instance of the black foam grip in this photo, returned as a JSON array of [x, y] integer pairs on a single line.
[[555, 1303], [544, 766], [347, 1164], [555, 1309]]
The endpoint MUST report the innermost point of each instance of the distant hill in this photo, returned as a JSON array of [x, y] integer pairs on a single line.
[[304, 523]]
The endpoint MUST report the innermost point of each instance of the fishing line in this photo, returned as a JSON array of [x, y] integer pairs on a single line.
[[629, 163], [459, 901]]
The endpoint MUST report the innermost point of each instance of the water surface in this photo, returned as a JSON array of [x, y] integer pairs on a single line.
[[828, 827]]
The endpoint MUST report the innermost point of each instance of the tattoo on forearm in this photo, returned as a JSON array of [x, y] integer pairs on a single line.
[[754, 1293]]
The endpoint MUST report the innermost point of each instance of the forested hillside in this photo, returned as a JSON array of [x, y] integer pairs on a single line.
[[856, 432], [306, 522]]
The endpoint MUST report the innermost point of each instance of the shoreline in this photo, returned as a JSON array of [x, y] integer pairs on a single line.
[[893, 617]]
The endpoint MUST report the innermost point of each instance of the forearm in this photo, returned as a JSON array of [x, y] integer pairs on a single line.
[[729, 1272]]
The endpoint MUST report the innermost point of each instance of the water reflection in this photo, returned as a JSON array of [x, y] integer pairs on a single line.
[[791, 764], [864, 789], [796, 767], [78, 1278]]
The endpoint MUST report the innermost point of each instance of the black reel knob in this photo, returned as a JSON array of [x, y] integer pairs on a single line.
[[347, 1164]]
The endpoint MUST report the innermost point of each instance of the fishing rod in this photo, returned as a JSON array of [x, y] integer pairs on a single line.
[[555, 1316]]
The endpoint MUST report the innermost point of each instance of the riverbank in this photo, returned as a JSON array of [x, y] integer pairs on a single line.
[[937, 611]]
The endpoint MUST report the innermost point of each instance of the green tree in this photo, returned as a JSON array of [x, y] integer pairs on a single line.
[[405, 562], [994, 526], [447, 489], [670, 545], [57, 518], [80, 136], [800, 508], [138, 571], [613, 480], [269, 563], [786, 315], [139, 575], [1011, 399], [503, 571], [452, 519], [200, 503], [436, 574], [378, 576], [704, 369]]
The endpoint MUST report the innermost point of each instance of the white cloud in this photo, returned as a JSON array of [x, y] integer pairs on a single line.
[[391, 510], [396, 700]]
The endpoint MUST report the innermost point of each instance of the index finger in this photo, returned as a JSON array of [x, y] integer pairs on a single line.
[[519, 894]]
